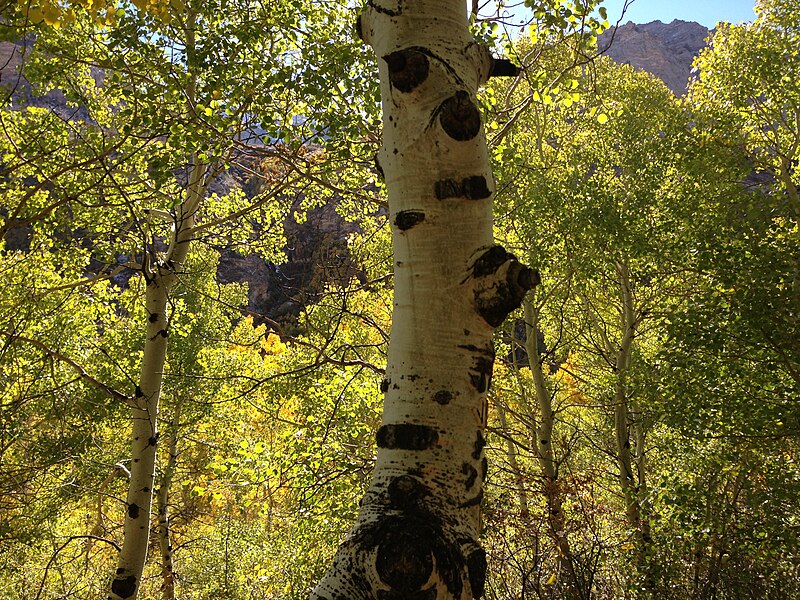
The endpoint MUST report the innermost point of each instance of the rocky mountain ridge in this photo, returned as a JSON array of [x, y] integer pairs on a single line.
[[664, 49]]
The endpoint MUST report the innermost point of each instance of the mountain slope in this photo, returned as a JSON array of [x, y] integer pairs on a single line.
[[664, 49]]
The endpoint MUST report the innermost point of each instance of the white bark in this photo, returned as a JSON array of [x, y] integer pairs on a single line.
[[416, 535], [630, 477], [511, 452], [630, 433], [161, 276], [162, 507]]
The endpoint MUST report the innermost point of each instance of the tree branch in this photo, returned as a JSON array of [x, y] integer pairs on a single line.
[[78, 368]]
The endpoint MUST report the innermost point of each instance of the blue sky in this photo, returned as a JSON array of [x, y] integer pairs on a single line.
[[705, 12]]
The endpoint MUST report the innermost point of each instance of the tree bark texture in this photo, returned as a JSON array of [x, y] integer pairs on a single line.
[[416, 535], [630, 451]]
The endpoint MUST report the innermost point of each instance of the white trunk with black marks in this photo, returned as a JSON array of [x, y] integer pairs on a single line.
[[630, 434], [544, 430], [161, 276], [416, 535], [162, 507]]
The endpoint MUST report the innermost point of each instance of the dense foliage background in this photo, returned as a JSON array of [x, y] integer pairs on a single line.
[[644, 415]]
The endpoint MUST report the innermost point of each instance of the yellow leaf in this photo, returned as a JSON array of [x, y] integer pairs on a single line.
[[35, 15], [602, 118], [51, 15]]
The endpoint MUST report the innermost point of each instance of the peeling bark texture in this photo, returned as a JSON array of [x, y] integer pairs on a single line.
[[416, 535]]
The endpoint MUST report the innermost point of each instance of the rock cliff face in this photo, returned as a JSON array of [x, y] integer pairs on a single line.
[[664, 49]]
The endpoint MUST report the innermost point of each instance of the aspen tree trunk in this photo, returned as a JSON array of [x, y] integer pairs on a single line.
[[511, 452], [623, 419], [544, 453], [416, 535], [162, 507], [161, 275], [629, 430]]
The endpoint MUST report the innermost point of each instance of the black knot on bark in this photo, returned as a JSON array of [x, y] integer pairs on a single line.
[[459, 116], [476, 568], [474, 187], [413, 553], [490, 261], [405, 559], [471, 473], [447, 188], [506, 283], [406, 436], [478, 446], [124, 587], [405, 492], [406, 219], [407, 69], [480, 375], [443, 397]]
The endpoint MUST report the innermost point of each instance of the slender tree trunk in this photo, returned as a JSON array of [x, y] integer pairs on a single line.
[[416, 535], [629, 431], [544, 452], [511, 452], [622, 414], [161, 276], [162, 506]]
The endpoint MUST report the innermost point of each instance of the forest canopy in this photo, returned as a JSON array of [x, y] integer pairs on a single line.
[[211, 224]]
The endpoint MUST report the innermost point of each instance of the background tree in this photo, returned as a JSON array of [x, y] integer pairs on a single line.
[[151, 84]]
